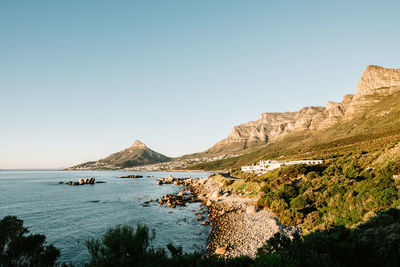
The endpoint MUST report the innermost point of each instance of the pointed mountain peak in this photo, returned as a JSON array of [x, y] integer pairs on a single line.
[[138, 144]]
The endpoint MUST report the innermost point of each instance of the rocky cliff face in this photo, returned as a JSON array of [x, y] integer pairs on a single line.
[[378, 81], [374, 83]]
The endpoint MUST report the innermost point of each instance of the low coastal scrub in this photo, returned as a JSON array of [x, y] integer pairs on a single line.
[[337, 193], [240, 187], [374, 243]]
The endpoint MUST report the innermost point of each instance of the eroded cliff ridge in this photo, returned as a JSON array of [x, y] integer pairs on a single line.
[[376, 82]]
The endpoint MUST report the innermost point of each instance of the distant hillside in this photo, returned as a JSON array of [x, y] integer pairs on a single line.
[[367, 122], [136, 155]]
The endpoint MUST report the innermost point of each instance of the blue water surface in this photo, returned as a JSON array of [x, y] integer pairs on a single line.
[[68, 215]]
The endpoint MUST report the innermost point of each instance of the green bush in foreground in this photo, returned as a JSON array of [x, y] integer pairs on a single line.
[[374, 243], [19, 248]]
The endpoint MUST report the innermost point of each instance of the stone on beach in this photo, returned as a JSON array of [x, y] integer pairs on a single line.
[[220, 250], [251, 209], [216, 194]]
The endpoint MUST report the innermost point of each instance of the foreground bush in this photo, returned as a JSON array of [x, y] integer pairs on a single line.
[[125, 246], [19, 248], [374, 243]]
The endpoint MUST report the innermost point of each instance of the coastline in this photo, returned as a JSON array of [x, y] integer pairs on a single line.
[[238, 228]]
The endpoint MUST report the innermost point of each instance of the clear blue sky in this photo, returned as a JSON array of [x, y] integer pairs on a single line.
[[82, 79]]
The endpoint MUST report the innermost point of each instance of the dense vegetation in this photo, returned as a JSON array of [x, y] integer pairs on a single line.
[[374, 243], [337, 193], [19, 248]]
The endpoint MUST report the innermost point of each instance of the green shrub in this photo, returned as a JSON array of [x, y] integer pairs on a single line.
[[312, 175], [278, 205], [125, 246], [298, 203], [19, 248]]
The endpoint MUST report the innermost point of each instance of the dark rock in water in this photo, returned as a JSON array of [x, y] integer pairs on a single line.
[[95, 201], [100, 182], [131, 176], [60, 182], [90, 180]]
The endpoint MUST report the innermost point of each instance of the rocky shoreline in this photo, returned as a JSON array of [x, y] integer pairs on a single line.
[[238, 228]]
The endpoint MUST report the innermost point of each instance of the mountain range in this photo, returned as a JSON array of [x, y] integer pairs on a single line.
[[373, 111]]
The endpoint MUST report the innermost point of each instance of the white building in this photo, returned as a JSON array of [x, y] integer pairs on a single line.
[[267, 165]]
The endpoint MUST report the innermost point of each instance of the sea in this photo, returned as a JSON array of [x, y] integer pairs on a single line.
[[69, 215]]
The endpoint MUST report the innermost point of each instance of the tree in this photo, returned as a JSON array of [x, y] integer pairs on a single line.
[[19, 248], [125, 246]]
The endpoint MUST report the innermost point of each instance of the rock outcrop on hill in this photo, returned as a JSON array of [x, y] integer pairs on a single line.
[[136, 155], [378, 81], [375, 82]]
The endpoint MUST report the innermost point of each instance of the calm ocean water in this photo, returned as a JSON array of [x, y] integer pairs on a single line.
[[68, 215]]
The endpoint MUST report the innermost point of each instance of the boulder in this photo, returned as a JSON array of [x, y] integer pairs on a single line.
[[169, 179], [131, 176], [209, 203], [220, 250], [216, 194], [251, 210], [81, 181]]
